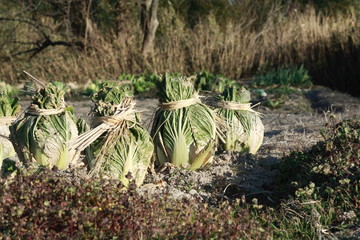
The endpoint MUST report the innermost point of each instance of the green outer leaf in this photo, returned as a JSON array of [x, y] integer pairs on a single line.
[[131, 152], [6, 149], [9, 106], [43, 139]]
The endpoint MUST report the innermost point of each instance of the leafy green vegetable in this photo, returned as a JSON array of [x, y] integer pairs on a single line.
[[125, 147], [97, 85], [184, 129], [241, 129], [293, 76], [62, 86], [9, 108], [8, 89], [42, 135], [206, 81], [141, 82]]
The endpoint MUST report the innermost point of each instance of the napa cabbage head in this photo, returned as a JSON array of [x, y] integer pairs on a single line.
[[184, 129], [125, 149], [42, 135], [241, 130], [9, 109]]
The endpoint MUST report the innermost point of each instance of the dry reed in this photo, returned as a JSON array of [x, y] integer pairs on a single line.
[[281, 36]]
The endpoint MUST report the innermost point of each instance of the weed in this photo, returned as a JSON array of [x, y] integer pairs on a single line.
[[44, 205], [325, 179]]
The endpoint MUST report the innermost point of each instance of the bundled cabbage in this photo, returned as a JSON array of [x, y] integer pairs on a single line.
[[184, 129], [9, 108], [119, 144], [43, 134], [241, 128]]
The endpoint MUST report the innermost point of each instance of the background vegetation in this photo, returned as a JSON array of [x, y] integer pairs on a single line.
[[81, 41]]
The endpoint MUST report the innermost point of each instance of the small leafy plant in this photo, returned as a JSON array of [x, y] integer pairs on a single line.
[[206, 81], [141, 82], [8, 89], [283, 76]]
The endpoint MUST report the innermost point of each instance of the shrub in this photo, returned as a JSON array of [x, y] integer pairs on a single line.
[[207, 81], [329, 172], [142, 82], [295, 77], [46, 205]]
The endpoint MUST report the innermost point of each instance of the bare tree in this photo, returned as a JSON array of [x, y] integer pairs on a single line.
[[37, 45], [149, 24], [71, 24]]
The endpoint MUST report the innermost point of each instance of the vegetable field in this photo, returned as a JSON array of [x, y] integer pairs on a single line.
[[135, 176], [198, 119]]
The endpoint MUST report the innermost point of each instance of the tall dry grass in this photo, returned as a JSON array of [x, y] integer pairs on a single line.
[[252, 42]]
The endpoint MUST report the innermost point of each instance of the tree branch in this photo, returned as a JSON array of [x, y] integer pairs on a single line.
[[41, 46], [42, 43]]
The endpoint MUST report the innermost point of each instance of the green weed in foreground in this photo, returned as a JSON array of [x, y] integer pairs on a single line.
[[45, 205], [323, 185]]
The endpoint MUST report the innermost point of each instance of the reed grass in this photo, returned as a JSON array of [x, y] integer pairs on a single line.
[[255, 40]]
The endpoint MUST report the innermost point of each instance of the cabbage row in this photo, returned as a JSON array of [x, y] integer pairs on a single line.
[[187, 129]]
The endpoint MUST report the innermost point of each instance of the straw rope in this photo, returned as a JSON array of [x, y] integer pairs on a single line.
[[180, 104], [36, 111], [106, 124], [230, 105], [120, 115]]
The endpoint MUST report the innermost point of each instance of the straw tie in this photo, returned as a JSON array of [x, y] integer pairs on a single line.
[[180, 104], [36, 111], [106, 123], [230, 105]]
